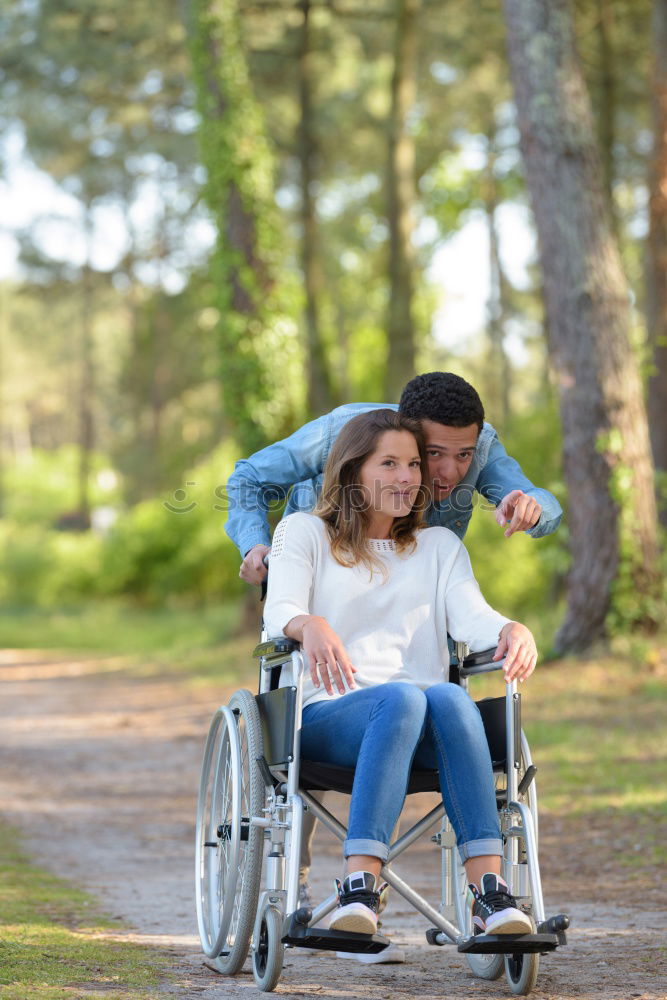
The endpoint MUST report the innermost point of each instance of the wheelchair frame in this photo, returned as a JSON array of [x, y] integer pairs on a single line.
[[250, 791]]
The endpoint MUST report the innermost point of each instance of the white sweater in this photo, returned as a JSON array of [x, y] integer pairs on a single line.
[[394, 625]]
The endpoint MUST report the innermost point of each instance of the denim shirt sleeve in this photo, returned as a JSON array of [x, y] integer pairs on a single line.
[[265, 478], [501, 474]]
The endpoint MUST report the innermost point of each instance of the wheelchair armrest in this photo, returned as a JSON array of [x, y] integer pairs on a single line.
[[278, 646], [480, 663]]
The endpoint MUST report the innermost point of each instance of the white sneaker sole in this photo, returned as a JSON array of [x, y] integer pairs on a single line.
[[392, 955], [355, 918], [514, 923]]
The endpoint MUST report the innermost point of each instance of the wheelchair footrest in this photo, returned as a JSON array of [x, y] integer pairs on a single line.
[[508, 944], [301, 936]]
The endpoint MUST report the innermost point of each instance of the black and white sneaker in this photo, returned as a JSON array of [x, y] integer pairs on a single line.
[[393, 954], [494, 909], [358, 904]]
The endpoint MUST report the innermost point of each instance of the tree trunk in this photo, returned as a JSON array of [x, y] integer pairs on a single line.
[[158, 378], [86, 391], [607, 103], [606, 450], [159, 335], [401, 197], [656, 271], [497, 306], [4, 324], [320, 395], [240, 194]]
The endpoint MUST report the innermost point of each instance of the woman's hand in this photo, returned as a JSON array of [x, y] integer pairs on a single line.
[[517, 645], [326, 655]]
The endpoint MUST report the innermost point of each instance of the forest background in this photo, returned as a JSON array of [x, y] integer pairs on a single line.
[[221, 219]]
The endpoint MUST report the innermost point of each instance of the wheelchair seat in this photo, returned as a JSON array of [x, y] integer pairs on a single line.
[[318, 777]]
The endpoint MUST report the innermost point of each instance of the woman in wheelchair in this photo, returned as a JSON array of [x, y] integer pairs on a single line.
[[371, 595]]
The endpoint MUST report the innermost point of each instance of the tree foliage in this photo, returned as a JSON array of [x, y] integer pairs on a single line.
[[606, 450], [221, 255]]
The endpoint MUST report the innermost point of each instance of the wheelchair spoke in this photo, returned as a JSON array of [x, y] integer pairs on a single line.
[[221, 818]]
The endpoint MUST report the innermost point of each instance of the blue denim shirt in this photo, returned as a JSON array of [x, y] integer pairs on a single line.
[[265, 479]]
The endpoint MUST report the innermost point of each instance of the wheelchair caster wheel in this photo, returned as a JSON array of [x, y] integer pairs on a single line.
[[488, 967], [521, 972], [268, 952]]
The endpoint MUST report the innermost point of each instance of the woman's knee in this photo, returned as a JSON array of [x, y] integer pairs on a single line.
[[404, 705], [452, 704]]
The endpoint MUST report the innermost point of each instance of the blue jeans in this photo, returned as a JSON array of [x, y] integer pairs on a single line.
[[380, 731]]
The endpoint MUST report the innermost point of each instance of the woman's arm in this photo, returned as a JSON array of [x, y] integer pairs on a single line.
[[517, 645], [325, 653], [471, 619], [297, 555], [267, 476]]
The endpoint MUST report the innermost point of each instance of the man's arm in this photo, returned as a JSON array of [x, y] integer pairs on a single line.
[[503, 481], [266, 477]]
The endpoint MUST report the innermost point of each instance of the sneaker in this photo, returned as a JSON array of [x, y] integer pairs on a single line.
[[494, 909], [393, 954], [358, 904]]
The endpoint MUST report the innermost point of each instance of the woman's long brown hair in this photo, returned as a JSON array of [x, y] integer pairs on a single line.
[[343, 504]]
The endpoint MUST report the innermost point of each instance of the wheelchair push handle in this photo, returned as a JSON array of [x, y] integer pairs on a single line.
[[471, 664], [264, 584]]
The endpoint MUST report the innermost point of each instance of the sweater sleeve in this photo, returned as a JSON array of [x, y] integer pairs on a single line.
[[469, 618], [291, 571]]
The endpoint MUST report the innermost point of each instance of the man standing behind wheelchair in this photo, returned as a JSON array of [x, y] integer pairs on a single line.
[[371, 593], [464, 456]]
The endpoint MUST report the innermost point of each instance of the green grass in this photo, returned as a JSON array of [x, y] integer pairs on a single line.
[[115, 628], [202, 644], [595, 725], [597, 733], [54, 944]]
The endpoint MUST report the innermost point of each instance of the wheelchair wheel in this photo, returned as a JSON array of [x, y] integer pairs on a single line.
[[530, 797], [268, 952], [527, 798], [521, 972], [491, 967], [486, 966], [228, 847]]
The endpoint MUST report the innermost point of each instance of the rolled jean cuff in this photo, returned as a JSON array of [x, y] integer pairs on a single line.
[[477, 848], [374, 848]]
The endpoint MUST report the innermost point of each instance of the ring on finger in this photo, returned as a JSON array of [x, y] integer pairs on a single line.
[[321, 663]]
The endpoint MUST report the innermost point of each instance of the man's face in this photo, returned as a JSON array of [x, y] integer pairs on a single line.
[[449, 451]]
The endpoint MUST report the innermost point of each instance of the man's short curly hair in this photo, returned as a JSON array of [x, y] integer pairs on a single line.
[[443, 397]]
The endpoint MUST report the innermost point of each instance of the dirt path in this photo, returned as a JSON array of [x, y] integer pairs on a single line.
[[100, 772]]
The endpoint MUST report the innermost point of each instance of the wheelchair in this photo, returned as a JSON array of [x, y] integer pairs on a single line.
[[254, 789]]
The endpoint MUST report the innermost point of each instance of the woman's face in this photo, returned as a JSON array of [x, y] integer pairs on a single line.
[[392, 475]]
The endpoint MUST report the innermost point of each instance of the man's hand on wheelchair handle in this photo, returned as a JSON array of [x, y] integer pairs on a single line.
[[520, 510], [253, 569], [517, 645], [325, 653]]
